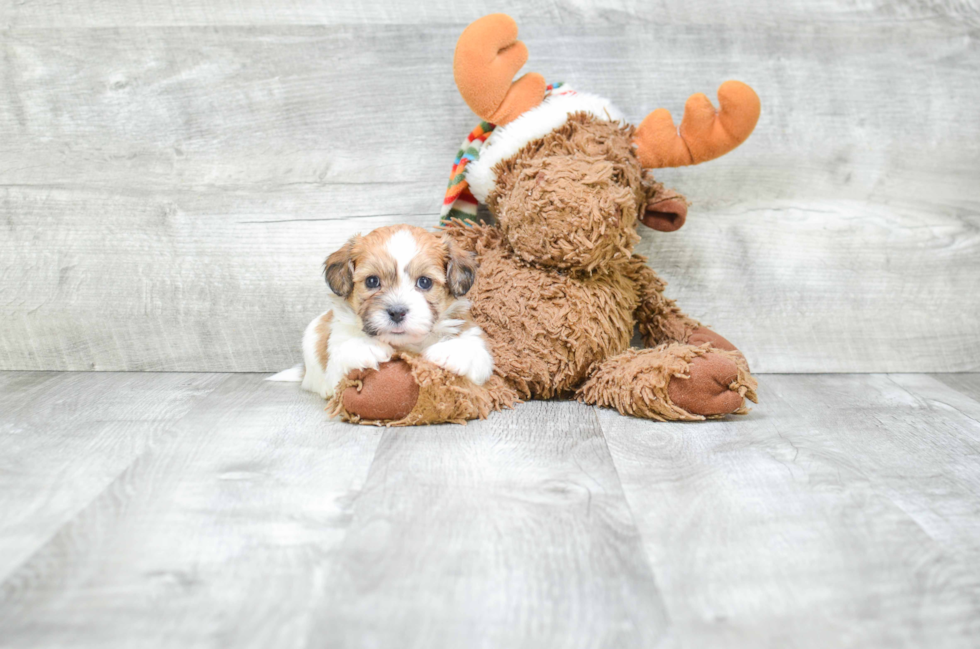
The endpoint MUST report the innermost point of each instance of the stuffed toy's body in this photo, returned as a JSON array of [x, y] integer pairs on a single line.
[[559, 290], [557, 335]]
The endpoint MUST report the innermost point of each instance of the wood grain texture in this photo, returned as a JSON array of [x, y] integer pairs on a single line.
[[66, 438], [172, 174], [511, 532], [162, 510], [844, 511], [123, 13], [217, 535]]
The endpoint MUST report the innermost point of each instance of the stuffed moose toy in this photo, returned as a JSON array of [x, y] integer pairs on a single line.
[[559, 291]]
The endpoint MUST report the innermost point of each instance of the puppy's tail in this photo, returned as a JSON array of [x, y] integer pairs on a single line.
[[293, 375]]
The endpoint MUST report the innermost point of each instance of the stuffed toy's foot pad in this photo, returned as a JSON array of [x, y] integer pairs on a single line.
[[387, 393], [703, 335], [707, 392]]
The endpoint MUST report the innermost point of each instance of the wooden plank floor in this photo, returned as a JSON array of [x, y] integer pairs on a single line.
[[219, 510]]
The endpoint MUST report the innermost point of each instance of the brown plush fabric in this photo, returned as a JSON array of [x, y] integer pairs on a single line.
[[642, 383], [442, 397], [559, 288], [570, 199], [711, 386], [703, 335], [389, 392], [546, 328], [658, 318]]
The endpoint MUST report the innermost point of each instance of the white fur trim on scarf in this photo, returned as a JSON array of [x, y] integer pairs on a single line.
[[507, 140]]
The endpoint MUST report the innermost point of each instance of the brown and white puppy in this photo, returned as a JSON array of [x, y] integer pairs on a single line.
[[398, 288]]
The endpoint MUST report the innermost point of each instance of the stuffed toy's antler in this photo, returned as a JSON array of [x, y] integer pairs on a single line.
[[488, 55], [705, 134]]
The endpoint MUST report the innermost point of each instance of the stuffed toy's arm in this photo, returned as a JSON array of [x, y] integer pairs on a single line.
[[409, 390], [658, 318]]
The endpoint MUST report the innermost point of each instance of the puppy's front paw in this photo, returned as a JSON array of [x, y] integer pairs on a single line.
[[466, 355], [356, 354]]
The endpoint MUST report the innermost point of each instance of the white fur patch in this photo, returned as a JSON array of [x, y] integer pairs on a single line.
[[313, 379], [508, 139], [403, 248], [348, 348], [465, 354], [293, 375]]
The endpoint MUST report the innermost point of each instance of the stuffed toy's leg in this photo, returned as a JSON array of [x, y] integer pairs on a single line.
[[702, 385], [409, 390], [674, 381]]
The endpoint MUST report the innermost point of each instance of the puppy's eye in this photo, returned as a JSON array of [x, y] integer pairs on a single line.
[[424, 283], [373, 281]]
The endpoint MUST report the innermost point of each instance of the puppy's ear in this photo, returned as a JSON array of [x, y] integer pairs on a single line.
[[338, 269], [460, 270]]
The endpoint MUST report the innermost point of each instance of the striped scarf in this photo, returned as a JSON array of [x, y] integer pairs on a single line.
[[460, 203]]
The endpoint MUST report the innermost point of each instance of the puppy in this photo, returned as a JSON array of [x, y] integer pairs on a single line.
[[399, 288]]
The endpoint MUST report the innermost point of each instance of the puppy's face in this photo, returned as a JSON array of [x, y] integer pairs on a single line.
[[400, 280]]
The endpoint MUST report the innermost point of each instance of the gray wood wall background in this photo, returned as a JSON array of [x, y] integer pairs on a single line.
[[173, 173]]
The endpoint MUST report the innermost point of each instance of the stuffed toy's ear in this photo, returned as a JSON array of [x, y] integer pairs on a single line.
[[338, 269], [666, 214], [666, 210], [460, 270]]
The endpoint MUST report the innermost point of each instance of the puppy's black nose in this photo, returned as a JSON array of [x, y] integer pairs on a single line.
[[396, 313]]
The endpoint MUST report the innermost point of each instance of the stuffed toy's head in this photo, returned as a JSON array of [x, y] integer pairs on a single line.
[[570, 199], [566, 177]]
